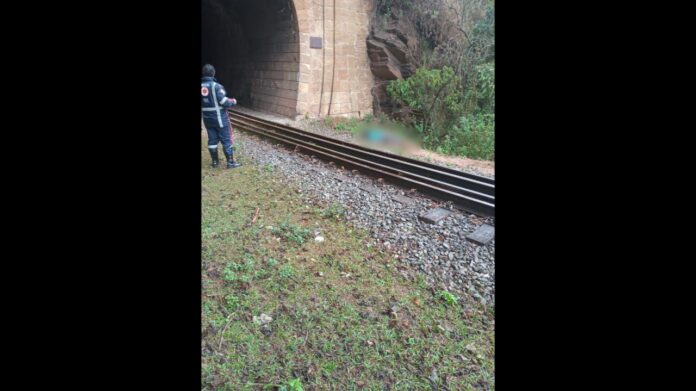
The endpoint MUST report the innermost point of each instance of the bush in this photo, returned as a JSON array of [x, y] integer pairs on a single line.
[[449, 120], [450, 100], [476, 136], [433, 99]]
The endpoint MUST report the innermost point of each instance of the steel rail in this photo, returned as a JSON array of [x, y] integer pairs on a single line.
[[470, 194]]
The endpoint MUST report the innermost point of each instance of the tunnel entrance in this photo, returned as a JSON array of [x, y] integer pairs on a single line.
[[254, 46]]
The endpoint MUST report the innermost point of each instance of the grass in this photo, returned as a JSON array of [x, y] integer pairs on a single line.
[[291, 233], [331, 302], [348, 125], [449, 298], [334, 211]]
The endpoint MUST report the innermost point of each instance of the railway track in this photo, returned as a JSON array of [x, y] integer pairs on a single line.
[[470, 192]]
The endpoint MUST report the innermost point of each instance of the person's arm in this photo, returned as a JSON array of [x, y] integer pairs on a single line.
[[223, 100]]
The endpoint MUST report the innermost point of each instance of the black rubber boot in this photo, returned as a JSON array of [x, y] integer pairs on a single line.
[[214, 157], [230, 161]]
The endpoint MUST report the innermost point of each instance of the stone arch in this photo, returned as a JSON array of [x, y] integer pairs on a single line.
[[263, 55]]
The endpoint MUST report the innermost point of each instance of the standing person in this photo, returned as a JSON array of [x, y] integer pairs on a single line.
[[214, 105]]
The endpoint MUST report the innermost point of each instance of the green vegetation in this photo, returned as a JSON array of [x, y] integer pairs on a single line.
[[342, 316], [450, 100]]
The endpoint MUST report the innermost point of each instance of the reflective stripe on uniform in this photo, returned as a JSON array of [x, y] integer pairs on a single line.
[[217, 107]]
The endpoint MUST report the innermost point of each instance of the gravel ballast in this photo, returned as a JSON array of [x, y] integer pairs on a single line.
[[440, 252]]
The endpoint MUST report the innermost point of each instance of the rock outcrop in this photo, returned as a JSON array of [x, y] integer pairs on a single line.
[[390, 52]]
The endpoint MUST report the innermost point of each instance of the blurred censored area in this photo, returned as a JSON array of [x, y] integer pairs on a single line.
[[392, 137]]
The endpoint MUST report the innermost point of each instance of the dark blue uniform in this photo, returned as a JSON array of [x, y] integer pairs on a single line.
[[214, 105]]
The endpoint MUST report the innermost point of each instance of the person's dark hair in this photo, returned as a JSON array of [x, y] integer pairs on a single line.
[[208, 70]]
